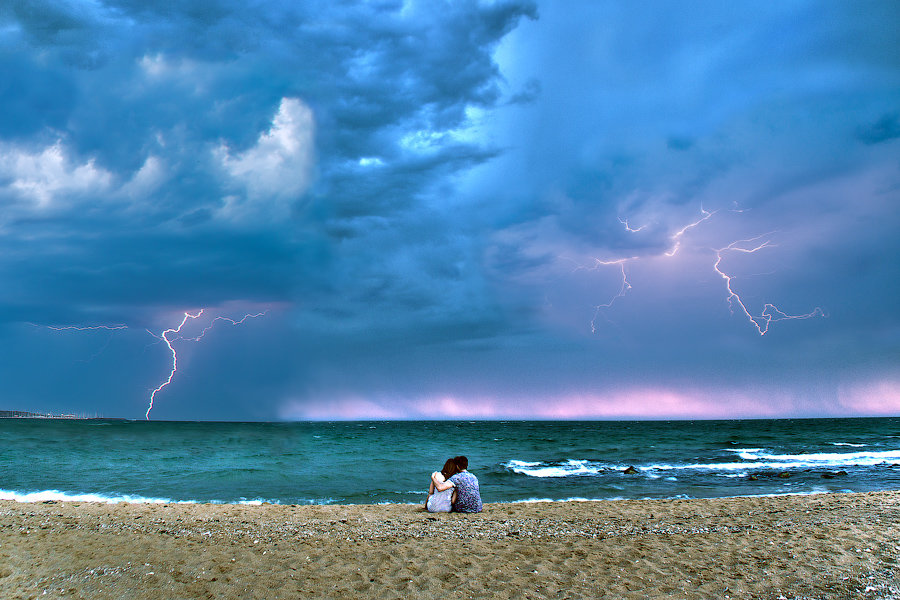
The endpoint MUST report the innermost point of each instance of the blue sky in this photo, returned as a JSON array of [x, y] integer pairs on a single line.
[[450, 210]]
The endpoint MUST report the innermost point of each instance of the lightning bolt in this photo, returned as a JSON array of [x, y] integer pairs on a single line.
[[164, 336], [629, 228], [676, 237], [168, 336], [625, 286], [232, 321], [770, 313], [86, 328], [622, 290], [79, 328]]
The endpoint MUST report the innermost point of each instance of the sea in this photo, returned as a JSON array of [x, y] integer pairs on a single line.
[[374, 462]]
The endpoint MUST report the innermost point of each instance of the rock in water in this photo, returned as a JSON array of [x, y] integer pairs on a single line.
[[833, 474]]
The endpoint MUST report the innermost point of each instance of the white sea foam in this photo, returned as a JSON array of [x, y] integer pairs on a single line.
[[58, 496], [522, 463], [752, 458], [826, 459], [813, 492], [567, 469], [574, 499], [848, 444]]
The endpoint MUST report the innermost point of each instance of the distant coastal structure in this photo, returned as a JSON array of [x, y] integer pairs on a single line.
[[22, 414]]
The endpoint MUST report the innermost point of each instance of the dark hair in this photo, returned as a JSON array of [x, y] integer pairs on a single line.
[[462, 463], [450, 469]]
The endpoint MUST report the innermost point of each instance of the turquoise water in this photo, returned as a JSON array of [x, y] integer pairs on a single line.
[[372, 462]]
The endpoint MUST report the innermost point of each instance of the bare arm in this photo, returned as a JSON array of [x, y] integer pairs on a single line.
[[437, 480]]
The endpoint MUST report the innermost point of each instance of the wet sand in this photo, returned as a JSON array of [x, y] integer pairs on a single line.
[[822, 546]]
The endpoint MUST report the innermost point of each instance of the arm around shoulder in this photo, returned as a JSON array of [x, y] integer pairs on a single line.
[[440, 484]]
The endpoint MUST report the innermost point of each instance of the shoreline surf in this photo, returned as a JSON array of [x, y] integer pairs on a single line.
[[334, 463], [55, 496]]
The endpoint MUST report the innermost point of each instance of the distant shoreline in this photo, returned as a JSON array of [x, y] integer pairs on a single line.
[[23, 414]]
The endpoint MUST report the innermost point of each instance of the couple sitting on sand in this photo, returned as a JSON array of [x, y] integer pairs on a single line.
[[454, 489]]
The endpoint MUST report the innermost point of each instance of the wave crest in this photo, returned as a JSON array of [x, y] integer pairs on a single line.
[[751, 458]]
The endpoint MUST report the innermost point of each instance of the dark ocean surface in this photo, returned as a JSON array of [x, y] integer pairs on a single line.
[[390, 462]]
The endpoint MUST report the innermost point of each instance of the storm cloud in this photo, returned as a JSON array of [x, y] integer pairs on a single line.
[[460, 209]]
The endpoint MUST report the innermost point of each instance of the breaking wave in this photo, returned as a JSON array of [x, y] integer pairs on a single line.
[[58, 496], [820, 459], [570, 468], [751, 458]]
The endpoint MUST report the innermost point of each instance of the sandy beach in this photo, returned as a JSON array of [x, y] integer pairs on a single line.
[[820, 546]]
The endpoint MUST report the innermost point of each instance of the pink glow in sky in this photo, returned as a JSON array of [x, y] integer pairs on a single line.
[[881, 398]]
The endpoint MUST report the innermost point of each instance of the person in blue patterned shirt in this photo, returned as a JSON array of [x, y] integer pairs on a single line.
[[468, 495]]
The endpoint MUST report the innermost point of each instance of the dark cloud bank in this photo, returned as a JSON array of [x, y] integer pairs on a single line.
[[436, 204]]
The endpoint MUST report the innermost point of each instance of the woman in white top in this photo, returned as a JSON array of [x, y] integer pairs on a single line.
[[441, 491]]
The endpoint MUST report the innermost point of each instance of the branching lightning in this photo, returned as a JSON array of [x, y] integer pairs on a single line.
[[87, 328], [168, 336], [213, 322], [164, 336], [628, 227], [676, 237], [770, 313], [622, 291], [78, 328]]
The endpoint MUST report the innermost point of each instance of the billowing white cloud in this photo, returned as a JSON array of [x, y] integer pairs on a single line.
[[49, 175], [147, 179], [51, 180], [278, 168]]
